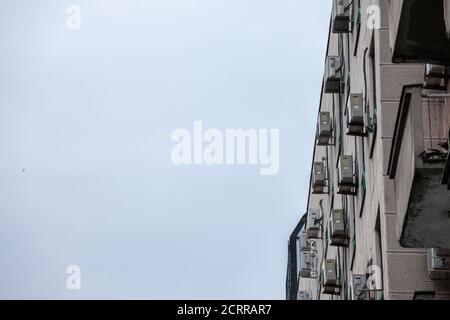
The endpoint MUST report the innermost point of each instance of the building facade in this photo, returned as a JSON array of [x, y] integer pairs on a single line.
[[377, 222]]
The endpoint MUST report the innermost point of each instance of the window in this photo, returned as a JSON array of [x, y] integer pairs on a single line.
[[339, 138], [423, 295], [322, 221], [361, 172], [371, 93], [356, 24], [349, 209], [379, 249], [330, 173]]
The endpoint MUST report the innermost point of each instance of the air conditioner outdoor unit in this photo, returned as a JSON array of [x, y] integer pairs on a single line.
[[356, 110], [337, 223], [303, 241], [346, 178], [330, 279], [439, 264], [319, 177], [325, 124], [436, 76], [345, 170], [333, 74], [324, 129], [330, 274], [338, 231], [303, 295], [314, 224], [305, 264], [341, 16]]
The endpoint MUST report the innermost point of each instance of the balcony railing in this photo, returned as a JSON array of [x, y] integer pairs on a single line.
[[372, 294]]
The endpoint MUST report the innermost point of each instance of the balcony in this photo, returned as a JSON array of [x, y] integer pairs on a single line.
[[419, 163], [439, 264], [362, 290], [421, 31]]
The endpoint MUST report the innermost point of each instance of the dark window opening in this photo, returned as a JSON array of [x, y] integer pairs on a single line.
[[423, 295]]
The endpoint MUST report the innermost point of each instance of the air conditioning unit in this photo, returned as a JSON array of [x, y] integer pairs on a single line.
[[358, 287], [436, 76], [333, 74], [439, 264], [337, 229], [314, 224], [325, 124], [319, 177], [324, 129], [303, 241], [346, 177], [330, 278], [356, 110], [303, 295], [305, 264], [345, 170], [337, 223], [330, 272], [341, 16]]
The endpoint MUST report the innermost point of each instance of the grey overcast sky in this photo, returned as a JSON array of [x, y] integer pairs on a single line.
[[89, 114]]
